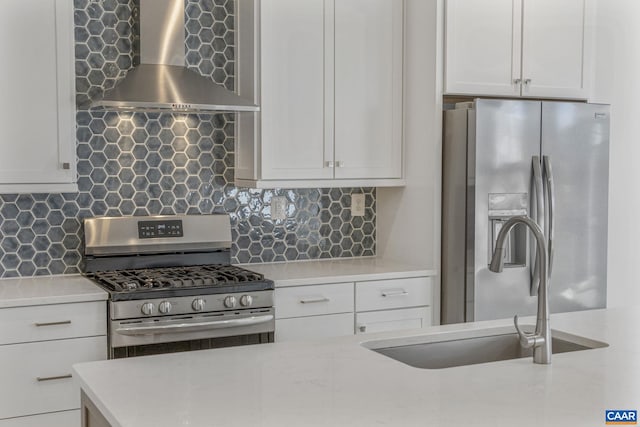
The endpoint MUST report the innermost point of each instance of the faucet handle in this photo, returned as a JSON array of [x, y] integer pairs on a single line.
[[526, 340]]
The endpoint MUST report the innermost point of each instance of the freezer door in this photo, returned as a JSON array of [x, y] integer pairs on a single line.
[[575, 138], [507, 137]]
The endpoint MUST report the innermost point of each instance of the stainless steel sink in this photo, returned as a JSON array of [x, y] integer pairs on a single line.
[[470, 347]]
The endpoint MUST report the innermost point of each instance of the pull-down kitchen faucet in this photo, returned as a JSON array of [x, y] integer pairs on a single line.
[[540, 340]]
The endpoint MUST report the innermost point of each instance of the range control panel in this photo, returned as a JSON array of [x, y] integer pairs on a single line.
[[160, 229]]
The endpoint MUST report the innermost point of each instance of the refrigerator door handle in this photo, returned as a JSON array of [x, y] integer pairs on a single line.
[[539, 218], [551, 204]]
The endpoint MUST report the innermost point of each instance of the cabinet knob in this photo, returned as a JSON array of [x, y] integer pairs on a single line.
[[517, 81], [527, 82], [363, 328], [66, 166], [330, 164], [339, 164]]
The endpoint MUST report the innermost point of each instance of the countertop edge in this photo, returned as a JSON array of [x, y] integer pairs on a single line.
[[46, 290]]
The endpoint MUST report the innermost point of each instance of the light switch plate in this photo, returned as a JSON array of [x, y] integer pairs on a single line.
[[278, 208], [357, 204]]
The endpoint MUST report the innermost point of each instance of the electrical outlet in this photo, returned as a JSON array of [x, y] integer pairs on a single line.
[[278, 208], [357, 204]]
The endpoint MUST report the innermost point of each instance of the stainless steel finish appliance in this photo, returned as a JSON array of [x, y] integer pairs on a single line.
[[545, 160], [172, 287], [161, 81]]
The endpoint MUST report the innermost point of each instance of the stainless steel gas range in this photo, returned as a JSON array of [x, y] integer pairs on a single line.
[[172, 286]]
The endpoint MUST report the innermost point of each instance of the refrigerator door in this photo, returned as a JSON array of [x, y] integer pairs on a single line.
[[507, 138], [575, 139]]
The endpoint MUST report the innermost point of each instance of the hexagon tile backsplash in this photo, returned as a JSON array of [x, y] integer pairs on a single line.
[[163, 163]]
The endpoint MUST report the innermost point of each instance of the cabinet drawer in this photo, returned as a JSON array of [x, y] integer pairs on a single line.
[[56, 419], [308, 328], [52, 322], [314, 300], [393, 320], [21, 393], [396, 293]]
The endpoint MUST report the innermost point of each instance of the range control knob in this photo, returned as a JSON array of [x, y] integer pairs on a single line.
[[198, 304], [147, 309], [164, 307], [230, 302], [246, 300]]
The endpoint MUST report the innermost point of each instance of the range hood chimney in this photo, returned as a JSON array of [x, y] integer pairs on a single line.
[[162, 82]]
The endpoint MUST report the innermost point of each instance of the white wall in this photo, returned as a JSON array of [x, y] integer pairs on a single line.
[[408, 219], [617, 81]]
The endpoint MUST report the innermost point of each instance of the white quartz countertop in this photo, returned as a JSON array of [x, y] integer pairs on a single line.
[[336, 270], [338, 382], [26, 291]]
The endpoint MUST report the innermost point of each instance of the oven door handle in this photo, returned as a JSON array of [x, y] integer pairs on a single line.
[[195, 326]]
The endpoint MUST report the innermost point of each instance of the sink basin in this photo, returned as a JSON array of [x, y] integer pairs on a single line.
[[471, 347]]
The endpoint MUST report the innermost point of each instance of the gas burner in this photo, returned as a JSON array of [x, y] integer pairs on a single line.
[[204, 279]]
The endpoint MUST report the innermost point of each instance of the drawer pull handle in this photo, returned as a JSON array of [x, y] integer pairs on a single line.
[[63, 322], [395, 293], [59, 377], [313, 300]]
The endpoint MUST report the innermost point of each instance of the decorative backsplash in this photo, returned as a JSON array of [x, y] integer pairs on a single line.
[[163, 163]]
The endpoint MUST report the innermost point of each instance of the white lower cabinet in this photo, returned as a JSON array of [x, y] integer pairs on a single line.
[[391, 305], [393, 320], [316, 311], [38, 346], [55, 419], [42, 371], [306, 328], [339, 309], [395, 293], [52, 322]]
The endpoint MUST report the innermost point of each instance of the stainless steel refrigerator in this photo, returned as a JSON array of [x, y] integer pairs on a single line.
[[547, 160]]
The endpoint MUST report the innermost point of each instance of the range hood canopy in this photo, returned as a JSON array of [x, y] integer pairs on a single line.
[[162, 82]]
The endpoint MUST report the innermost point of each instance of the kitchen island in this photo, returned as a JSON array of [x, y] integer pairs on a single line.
[[339, 382]]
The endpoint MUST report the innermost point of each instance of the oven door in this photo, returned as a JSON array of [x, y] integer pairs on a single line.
[[168, 329]]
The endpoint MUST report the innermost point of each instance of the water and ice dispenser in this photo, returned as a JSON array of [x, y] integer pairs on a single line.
[[503, 206]]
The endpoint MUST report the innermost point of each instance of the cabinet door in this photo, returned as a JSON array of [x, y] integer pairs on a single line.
[[368, 88], [52, 322], [393, 320], [314, 327], [39, 379], [395, 293], [37, 144], [300, 301], [483, 47], [553, 52], [294, 92]]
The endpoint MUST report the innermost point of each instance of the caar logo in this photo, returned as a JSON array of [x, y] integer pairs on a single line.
[[621, 417]]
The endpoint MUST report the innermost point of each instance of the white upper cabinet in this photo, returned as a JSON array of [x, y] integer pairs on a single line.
[[529, 48], [368, 88], [554, 48], [483, 47], [328, 79], [37, 106], [293, 90]]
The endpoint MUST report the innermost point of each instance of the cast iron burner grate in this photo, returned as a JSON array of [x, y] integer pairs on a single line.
[[175, 277]]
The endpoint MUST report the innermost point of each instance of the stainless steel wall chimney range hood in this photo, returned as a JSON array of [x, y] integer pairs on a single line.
[[162, 82]]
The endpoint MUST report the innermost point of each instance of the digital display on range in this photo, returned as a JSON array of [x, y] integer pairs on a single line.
[[160, 229]]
